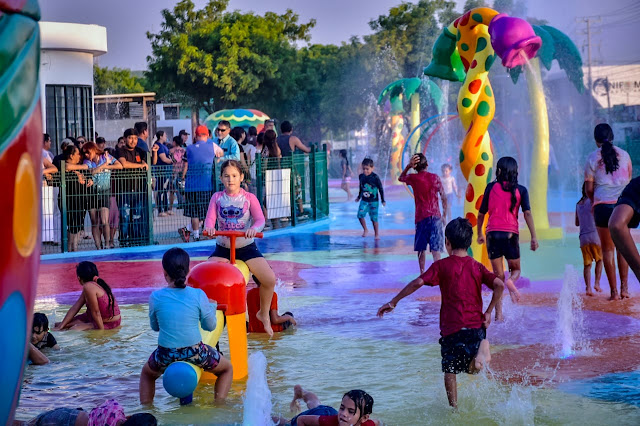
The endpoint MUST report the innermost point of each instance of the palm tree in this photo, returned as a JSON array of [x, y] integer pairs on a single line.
[[555, 45], [397, 91]]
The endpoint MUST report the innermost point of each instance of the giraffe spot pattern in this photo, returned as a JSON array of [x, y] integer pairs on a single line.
[[481, 44], [485, 156], [466, 102], [472, 219], [479, 202], [475, 85], [477, 17], [480, 170], [483, 109], [487, 90], [470, 193]]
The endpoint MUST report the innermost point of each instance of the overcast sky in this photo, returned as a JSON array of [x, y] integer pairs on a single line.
[[614, 39]]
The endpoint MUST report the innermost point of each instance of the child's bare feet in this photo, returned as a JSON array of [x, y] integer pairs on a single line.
[[482, 359], [364, 233], [624, 291], [597, 288], [589, 291], [377, 237], [298, 393], [266, 322], [515, 296], [614, 296]]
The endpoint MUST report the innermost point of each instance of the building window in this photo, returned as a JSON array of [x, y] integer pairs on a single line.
[[69, 113], [171, 112]]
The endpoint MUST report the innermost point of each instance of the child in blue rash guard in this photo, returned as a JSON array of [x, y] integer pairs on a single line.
[[370, 187], [177, 312]]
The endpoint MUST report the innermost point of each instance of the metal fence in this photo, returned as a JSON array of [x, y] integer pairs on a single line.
[[82, 210]]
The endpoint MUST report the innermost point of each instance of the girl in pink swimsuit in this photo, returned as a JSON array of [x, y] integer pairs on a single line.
[[235, 209], [103, 312]]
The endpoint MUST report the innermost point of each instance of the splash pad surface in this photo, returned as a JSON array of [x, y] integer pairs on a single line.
[[334, 281]]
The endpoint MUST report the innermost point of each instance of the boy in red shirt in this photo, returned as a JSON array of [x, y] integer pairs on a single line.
[[426, 187], [464, 344], [278, 322]]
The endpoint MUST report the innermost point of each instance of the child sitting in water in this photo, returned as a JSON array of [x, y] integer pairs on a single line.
[[177, 312], [355, 408], [103, 312], [463, 324], [589, 241], [40, 339], [109, 413], [278, 322]]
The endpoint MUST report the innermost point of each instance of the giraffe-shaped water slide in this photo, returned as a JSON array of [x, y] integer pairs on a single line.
[[473, 37]]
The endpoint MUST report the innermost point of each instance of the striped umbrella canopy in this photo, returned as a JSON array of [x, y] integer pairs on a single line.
[[238, 118]]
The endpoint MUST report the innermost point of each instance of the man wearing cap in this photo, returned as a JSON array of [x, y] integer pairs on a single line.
[[197, 174], [185, 136]]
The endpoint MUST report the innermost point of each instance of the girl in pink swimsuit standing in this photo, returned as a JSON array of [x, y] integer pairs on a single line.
[[235, 209], [103, 312]]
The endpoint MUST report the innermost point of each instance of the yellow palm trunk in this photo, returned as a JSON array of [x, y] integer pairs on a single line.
[[415, 118], [538, 181]]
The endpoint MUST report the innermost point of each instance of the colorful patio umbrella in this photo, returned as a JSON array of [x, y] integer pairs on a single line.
[[238, 117]]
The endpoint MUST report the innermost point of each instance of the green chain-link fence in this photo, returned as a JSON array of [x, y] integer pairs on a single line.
[[82, 210]]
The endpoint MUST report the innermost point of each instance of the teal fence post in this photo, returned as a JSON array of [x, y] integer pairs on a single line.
[[312, 182], [63, 206], [292, 193], [149, 200], [259, 178], [325, 174]]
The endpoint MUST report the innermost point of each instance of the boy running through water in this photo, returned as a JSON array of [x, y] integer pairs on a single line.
[[429, 223], [589, 241], [370, 186], [463, 324]]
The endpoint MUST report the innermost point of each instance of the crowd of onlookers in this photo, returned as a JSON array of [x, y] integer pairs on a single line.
[[108, 185]]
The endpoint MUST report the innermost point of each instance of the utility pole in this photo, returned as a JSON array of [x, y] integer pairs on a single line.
[[588, 21]]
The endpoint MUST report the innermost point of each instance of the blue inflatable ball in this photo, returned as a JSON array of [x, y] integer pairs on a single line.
[[180, 379]]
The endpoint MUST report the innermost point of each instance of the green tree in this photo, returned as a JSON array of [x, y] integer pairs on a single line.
[[472, 4], [408, 32], [116, 80], [225, 57]]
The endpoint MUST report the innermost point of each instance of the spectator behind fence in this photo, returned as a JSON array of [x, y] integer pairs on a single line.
[[240, 137], [176, 185], [252, 135], [58, 159], [76, 188], [47, 159], [228, 144], [142, 131], [197, 175], [131, 194], [289, 145], [99, 201], [162, 174]]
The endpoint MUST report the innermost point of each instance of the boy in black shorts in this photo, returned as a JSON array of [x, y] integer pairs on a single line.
[[463, 324], [627, 215]]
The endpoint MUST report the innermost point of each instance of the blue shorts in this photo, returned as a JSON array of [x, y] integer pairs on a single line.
[[199, 354], [245, 253], [370, 207], [429, 232], [320, 410]]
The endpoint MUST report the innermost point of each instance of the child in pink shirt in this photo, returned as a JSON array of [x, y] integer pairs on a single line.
[[502, 199], [429, 223], [235, 209]]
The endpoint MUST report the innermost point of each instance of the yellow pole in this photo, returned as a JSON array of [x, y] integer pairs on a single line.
[[539, 175], [415, 117]]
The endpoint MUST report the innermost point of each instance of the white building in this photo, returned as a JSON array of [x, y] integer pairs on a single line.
[[66, 78]]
